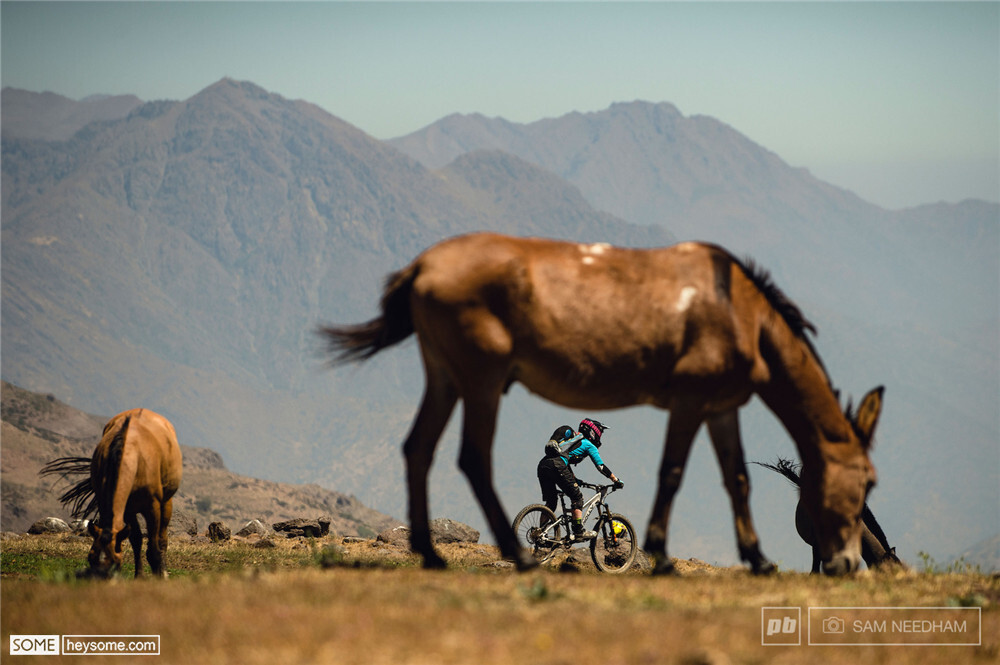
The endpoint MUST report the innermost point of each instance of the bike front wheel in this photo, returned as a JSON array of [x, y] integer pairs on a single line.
[[537, 530], [615, 547]]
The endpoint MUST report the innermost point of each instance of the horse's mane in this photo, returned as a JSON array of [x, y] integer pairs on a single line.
[[797, 321], [783, 305]]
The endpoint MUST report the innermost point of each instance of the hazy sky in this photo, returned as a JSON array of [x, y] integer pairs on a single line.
[[898, 102]]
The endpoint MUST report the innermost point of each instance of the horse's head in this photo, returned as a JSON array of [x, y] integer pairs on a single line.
[[835, 489], [105, 555]]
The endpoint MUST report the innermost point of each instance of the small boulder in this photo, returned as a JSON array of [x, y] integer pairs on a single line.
[[353, 539], [301, 527], [219, 532], [255, 527], [444, 530], [182, 522], [397, 537], [49, 525]]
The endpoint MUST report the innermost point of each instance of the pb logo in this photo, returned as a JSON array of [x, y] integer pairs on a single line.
[[780, 626]]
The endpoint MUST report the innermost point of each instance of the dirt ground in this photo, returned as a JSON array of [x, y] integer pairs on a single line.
[[362, 603]]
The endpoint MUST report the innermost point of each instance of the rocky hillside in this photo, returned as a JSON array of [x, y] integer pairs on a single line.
[[38, 428]]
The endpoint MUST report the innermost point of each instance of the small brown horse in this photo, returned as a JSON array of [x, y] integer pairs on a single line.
[[135, 470], [875, 548], [687, 328]]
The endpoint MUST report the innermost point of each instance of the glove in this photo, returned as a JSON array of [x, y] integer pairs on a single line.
[[619, 485]]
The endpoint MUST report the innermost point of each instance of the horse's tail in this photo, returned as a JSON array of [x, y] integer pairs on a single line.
[[362, 341], [110, 474], [79, 498], [787, 468]]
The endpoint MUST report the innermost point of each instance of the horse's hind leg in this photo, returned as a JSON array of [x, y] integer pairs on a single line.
[[153, 548], [476, 461], [438, 403], [724, 430], [680, 435], [166, 512], [135, 539]]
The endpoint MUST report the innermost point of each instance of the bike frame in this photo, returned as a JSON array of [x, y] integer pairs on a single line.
[[598, 499]]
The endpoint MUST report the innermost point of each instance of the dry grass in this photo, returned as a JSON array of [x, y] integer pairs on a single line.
[[235, 603]]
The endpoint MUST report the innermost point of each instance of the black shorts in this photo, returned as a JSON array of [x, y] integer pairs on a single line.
[[554, 472]]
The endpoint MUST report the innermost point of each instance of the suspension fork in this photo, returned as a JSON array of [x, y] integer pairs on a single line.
[[609, 523]]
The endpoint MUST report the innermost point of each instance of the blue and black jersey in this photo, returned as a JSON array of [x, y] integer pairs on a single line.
[[581, 449]]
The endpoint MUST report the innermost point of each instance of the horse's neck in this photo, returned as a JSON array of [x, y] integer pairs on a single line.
[[798, 390]]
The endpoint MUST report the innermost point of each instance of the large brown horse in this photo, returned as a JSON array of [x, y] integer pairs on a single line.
[[135, 470], [686, 328]]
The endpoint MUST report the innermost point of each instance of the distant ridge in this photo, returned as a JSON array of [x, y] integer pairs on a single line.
[[51, 117]]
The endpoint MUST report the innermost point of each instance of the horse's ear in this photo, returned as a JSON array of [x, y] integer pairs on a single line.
[[868, 413]]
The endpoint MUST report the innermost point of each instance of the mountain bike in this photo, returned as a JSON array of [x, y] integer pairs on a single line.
[[542, 533]]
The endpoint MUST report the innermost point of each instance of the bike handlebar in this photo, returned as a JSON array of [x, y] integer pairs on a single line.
[[596, 487]]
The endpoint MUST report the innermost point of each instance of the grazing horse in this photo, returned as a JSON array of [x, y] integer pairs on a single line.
[[875, 548], [135, 470], [687, 328]]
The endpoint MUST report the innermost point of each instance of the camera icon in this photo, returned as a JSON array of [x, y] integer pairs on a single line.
[[833, 625]]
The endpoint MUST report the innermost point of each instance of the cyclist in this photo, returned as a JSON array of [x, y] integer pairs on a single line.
[[564, 448]]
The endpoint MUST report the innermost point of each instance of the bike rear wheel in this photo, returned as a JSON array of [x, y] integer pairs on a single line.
[[615, 547], [537, 530]]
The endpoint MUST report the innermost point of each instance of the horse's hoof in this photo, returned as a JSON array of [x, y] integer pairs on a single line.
[[434, 562], [764, 567], [665, 566], [525, 562]]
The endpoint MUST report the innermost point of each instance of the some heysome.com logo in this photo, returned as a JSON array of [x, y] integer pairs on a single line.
[[780, 626]]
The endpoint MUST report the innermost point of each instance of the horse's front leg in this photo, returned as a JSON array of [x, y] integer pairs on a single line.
[[680, 435], [724, 430], [438, 403], [803, 525]]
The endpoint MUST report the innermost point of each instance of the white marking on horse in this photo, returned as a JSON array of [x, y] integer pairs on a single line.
[[596, 249], [687, 295]]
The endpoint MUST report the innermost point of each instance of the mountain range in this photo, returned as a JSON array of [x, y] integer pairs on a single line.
[[180, 254], [53, 117]]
